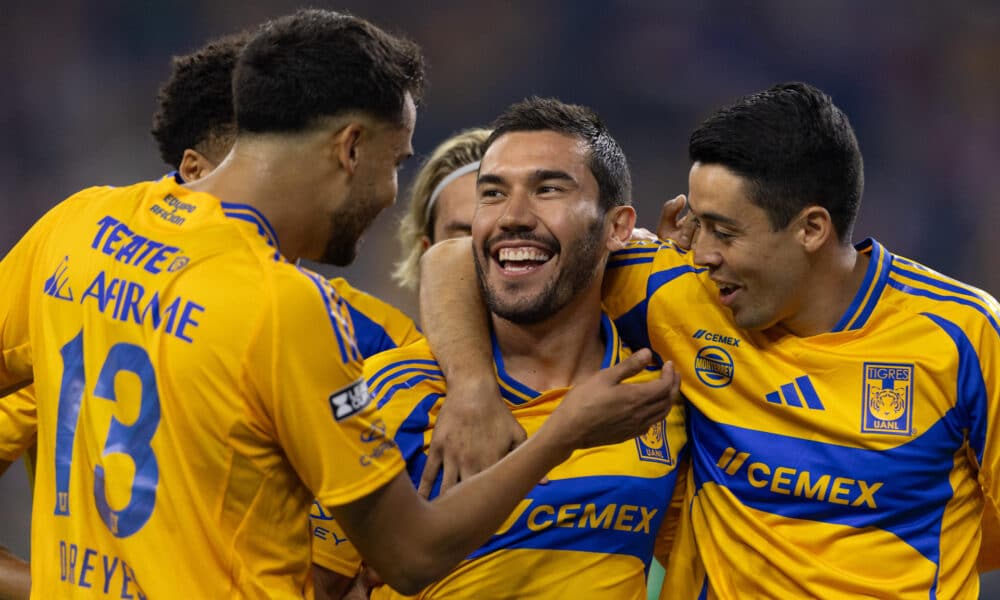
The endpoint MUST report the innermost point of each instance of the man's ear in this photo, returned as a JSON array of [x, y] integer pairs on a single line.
[[622, 221], [346, 142], [194, 165], [814, 228]]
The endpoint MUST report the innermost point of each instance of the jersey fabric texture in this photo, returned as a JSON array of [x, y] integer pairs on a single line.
[[192, 387], [858, 462], [587, 533]]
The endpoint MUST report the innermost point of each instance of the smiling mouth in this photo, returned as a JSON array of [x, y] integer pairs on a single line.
[[518, 260]]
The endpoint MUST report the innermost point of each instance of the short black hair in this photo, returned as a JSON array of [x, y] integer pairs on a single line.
[[794, 147], [319, 63], [196, 103], [607, 160]]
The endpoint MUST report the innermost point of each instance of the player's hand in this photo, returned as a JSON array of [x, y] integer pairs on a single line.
[[604, 410], [15, 576], [473, 431], [673, 226]]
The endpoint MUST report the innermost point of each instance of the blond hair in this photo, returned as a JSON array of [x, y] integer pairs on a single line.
[[461, 149]]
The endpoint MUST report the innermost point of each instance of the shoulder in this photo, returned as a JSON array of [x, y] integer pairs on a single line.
[[955, 306], [411, 370]]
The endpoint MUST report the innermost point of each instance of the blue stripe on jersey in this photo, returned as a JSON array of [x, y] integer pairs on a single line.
[[405, 385], [651, 249], [662, 278], [809, 393], [875, 266], [410, 439], [633, 327], [611, 342], [371, 337], [329, 313], [233, 207], [398, 364], [830, 483], [703, 594], [971, 402], [610, 514], [945, 284], [403, 374], [519, 393], [628, 262], [906, 289]]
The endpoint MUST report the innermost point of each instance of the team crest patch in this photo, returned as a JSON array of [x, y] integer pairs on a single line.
[[652, 445], [350, 400], [887, 400]]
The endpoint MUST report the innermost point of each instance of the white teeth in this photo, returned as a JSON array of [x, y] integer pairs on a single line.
[[523, 253]]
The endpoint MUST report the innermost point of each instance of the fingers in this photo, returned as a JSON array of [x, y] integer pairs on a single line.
[[668, 226], [430, 473], [630, 366], [450, 478]]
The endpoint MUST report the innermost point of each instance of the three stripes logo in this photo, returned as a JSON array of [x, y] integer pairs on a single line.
[[795, 393]]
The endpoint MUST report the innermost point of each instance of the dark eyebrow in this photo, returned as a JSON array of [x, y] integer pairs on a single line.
[[544, 174], [539, 175], [489, 178], [717, 218]]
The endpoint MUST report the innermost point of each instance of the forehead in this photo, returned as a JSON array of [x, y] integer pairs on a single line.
[[520, 152], [714, 188]]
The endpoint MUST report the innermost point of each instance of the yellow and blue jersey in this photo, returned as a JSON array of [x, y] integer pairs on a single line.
[[587, 533], [858, 462], [194, 393]]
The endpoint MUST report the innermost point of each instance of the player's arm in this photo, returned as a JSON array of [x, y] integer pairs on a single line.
[[15, 574], [316, 403], [429, 538], [475, 427], [330, 585]]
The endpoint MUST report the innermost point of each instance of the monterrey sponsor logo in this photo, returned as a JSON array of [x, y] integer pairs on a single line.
[[714, 367], [350, 400], [887, 399]]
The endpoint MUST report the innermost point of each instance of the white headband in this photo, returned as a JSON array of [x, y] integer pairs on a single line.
[[463, 170]]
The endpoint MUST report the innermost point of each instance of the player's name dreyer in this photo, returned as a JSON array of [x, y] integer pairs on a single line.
[[115, 239], [89, 568], [129, 301]]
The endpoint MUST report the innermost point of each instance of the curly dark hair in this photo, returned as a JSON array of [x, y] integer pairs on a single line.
[[318, 63], [196, 102]]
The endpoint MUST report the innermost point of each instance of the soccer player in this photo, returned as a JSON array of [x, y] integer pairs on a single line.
[[843, 399], [554, 199], [190, 403], [442, 200]]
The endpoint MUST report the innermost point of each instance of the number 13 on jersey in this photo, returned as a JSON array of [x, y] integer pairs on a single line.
[[132, 440]]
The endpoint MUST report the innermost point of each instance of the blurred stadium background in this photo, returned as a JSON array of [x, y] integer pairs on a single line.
[[919, 79]]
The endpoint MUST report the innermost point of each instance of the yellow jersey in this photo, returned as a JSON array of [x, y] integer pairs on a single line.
[[858, 462], [587, 533], [194, 392]]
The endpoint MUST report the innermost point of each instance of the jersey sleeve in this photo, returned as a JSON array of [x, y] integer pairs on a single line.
[[309, 379], [378, 326], [401, 383], [17, 270], [330, 547], [634, 274], [18, 423]]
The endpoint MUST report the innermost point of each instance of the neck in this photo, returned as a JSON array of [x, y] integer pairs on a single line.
[[834, 280], [273, 175], [559, 351]]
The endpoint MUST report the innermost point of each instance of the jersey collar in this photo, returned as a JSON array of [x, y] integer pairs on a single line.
[[518, 393], [876, 276]]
